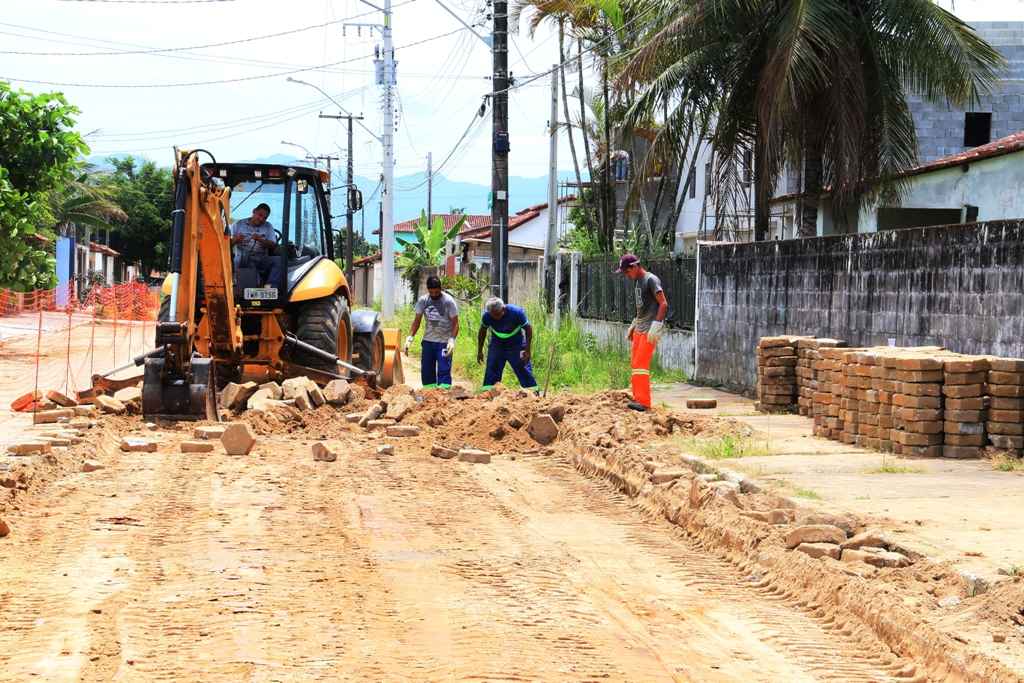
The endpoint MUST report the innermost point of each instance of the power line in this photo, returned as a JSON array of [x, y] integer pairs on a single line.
[[222, 81], [477, 117], [152, 2]]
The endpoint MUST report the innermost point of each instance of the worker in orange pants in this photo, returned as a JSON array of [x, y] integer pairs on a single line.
[[646, 328]]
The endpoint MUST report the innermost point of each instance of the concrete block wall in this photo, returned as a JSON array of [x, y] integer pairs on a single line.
[[961, 287], [675, 349]]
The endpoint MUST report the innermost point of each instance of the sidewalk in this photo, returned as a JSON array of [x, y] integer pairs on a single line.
[[960, 511]]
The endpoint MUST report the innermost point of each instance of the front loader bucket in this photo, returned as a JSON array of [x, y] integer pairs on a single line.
[[391, 372], [172, 398]]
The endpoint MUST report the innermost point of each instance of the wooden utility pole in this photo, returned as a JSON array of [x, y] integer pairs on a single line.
[[499, 153], [349, 185]]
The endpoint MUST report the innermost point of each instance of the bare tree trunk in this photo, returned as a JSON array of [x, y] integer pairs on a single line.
[[565, 102], [609, 189], [762, 193], [812, 195], [595, 198]]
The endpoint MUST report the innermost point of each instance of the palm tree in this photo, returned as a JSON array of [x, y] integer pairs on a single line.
[[823, 83], [427, 251], [86, 201]]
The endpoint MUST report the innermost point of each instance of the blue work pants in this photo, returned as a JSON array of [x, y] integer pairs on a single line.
[[435, 367], [497, 355]]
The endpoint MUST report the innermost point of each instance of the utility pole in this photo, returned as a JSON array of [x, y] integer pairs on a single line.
[[349, 184], [499, 153], [430, 188], [550, 246]]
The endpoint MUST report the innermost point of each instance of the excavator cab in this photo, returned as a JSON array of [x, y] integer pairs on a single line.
[[230, 315]]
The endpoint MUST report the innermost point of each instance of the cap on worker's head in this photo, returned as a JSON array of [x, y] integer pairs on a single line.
[[494, 304], [433, 282], [626, 261]]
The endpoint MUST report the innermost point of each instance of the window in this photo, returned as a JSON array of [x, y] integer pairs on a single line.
[[691, 180], [748, 166], [977, 128], [307, 226], [707, 179], [248, 194]]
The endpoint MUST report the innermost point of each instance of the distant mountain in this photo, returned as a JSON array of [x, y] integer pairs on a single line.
[[411, 192]]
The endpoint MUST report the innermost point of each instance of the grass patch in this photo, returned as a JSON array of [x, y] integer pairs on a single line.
[[809, 494], [1013, 570], [724, 447], [578, 362], [888, 467], [1002, 462]]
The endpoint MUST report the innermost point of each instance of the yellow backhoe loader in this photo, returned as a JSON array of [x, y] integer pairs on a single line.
[[223, 319]]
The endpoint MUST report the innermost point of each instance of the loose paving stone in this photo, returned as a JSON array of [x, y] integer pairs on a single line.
[[322, 453], [209, 431], [110, 405], [61, 399], [663, 476], [817, 518], [274, 388], [817, 550], [443, 452], [381, 423], [316, 394], [85, 411], [866, 538], [543, 429], [238, 439], [701, 403], [23, 402], [353, 417], [372, 413], [302, 401], [91, 466], [52, 416], [57, 440], [399, 407], [403, 430], [138, 445], [236, 396], [196, 446], [337, 392], [557, 413], [4, 529], [780, 516], [474, 455], [151, 426], [131, 397], [35, 447], [385, 449], [815, 533]]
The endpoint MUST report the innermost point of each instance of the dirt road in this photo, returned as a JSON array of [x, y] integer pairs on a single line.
[[271, 567]]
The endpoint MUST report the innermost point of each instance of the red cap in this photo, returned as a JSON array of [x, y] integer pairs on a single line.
[[626, 261]]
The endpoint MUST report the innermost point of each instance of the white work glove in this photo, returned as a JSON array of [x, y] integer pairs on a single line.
[[408, 343], [449, 347], [657, 329]]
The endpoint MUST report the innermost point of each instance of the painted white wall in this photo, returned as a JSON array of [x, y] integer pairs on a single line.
[[532, 233], [993, 185]]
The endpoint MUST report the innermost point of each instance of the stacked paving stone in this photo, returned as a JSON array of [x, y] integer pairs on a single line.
[[964, 394], [808, 351], [867, 366], [776, 374], [849, 404], [1005, 419], [828, 397], [917, 405]]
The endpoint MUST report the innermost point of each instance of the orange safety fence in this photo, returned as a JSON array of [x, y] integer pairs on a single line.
[[77, 337]]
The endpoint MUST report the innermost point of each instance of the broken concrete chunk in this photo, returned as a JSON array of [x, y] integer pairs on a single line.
[[396, 390], [817, 550], [665, 475], [866, 538], [238, 439], [543, 429], [403, 430], [316, 395], [110, 405], [274, 389], [337, 392], [442, 452], [61, 399], [353, 417], [209, 432], [34, 447], [372, 413], [815, 533], [385, 449], [474, 455], [293, 386], [131, 397], [781, 516], [51, 416], [91, 466], [701, 403], [196, 446], [322, 453], [358, 394], [131, 444], [399, 406], [236, 396], [557, 412], [302, 401], [876, 557]]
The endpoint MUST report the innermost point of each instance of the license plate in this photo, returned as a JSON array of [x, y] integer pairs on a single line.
[[260, 293]]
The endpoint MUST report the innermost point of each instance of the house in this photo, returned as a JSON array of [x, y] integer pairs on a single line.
[[527, 234], [407, 229], [943, 133], [980, 184]]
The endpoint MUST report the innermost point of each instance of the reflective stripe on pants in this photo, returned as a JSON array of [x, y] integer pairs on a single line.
[[640, 361]]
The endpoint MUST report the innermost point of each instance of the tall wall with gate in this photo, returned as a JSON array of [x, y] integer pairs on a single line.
[[961, 287]]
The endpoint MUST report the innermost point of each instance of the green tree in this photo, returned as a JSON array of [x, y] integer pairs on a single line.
[[823, 83], [146, 193], [38, 150], [87, 201], [427, 250], [360, 247]]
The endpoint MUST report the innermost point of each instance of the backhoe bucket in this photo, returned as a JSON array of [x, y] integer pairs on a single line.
[[186, 398], [391, 372]]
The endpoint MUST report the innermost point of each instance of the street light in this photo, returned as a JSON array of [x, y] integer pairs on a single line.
[[336, 103], [309, 155]]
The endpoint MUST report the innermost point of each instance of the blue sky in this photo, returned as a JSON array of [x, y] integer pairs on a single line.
[[441, 80]]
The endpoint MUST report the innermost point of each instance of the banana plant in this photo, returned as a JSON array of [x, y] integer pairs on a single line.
[[427, 250]]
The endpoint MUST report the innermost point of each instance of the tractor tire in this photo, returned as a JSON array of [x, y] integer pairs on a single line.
[[370, 350], [325, 324]]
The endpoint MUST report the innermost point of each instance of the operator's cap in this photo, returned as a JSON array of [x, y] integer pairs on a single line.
[[626, 261]]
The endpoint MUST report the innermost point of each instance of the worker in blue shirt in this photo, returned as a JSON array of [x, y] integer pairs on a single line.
[[511, 341]]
